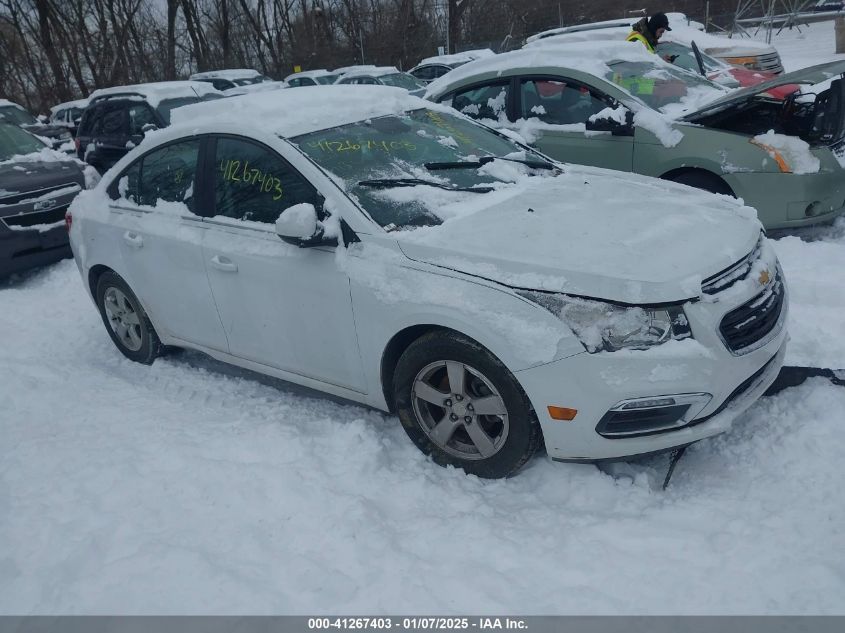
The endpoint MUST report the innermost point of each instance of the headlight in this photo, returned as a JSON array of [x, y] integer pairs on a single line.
[[607, 327]]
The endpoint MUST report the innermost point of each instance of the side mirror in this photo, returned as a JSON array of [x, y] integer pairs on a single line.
[[619, 121], [300, 225], [149, 127]]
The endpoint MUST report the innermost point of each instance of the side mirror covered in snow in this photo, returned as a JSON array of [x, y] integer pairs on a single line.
[[619, 121], [300, 225]]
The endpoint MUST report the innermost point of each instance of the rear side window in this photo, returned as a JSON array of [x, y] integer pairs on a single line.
[[489, 101], [90, 120], [253, 183], [113, 122], [167, 173], [140, 115]]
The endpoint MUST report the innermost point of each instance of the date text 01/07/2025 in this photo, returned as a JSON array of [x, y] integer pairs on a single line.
[[416, 623]]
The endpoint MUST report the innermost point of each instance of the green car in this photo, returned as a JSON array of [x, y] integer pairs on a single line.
[[777, 145]]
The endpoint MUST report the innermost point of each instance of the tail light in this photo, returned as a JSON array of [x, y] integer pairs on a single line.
[[68, 221], [77, 144]]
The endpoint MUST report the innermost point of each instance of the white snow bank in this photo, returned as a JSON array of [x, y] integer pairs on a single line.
[[796, 152]]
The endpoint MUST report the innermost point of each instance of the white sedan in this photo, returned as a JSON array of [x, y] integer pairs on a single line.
[[388, 250]]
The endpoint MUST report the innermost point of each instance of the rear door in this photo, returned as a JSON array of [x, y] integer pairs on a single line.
[[557, 109], [155, 218]]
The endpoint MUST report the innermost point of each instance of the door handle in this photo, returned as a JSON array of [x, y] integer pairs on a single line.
[[224, 263], [133, 239]]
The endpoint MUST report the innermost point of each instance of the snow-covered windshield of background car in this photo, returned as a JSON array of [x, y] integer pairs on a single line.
[[401, 80], [14, 114], [326, 79], [391, 152], [670, 90], [14, 141]]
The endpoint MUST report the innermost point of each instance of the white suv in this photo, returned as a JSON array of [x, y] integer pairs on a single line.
[[382, 248]]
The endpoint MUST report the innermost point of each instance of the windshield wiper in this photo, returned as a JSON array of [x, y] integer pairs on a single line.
[[463, 164], [386, 183]]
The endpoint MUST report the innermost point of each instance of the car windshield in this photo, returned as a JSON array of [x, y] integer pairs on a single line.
[[16, 115], [378, 156], [401, 80], [326, 79], [686, 57], [166, 106], [14, 141], [248, 81], [663, 87]]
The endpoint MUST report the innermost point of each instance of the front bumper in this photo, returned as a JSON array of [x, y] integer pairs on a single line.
[[30, 248], [597, 384], [792, 200]]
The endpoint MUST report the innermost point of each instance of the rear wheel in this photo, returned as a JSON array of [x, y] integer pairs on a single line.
[[458, 403], [125, 320]]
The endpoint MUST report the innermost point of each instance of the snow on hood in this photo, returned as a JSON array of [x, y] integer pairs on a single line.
[[230, 73], [588, 232], [457, 58], [307, 109]]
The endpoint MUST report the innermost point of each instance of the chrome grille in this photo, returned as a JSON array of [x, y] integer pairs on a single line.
[[750, 323]]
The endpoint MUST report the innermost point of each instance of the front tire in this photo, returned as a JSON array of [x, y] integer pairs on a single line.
[[705, 181], [125, 320], [458, 403]]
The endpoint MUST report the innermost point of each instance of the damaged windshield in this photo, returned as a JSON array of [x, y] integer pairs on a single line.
[[394, 165]]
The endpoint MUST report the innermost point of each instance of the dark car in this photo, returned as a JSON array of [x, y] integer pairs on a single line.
[[11, 112], [35, 191], [116, 119]]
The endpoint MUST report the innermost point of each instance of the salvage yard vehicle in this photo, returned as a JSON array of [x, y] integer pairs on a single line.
[[617, 106], [382, 248], [741, 52], [117, 118], [230, 78], [311, 78], [68, 114], [383, 76], [36, 187], [431, 68], [56, 135]]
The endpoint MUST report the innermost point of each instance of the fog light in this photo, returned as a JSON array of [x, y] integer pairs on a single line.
[[813, 209], [646, 416]]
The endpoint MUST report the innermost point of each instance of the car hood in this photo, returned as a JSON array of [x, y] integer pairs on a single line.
[[812, 75], [48, 130], [625, 239], [20, 180]]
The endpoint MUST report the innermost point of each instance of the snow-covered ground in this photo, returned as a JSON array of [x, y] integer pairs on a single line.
[[193, 487], [806, 45]]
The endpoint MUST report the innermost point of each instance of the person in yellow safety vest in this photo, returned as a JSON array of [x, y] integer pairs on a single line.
[[649, 30]]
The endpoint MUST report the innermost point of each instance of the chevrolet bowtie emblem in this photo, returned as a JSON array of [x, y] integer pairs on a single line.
[[764, 278]]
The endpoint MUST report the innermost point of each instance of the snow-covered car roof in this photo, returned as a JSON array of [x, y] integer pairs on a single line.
[[374, 71], [683, 31], [157, 92], [263, 86], [319, 72], [348, 69], [457, 58], [227, 73], [289, 113], [79, 103], [588, 57]]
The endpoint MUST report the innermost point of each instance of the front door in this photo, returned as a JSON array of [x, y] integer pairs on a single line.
[[554, 113], [280, 305]]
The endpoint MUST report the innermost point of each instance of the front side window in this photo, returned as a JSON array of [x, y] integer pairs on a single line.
[[558, 102], [489, 101], [253, 183]]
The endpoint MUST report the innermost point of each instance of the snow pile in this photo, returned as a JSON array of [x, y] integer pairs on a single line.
[[44, 155], [795, 152]]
